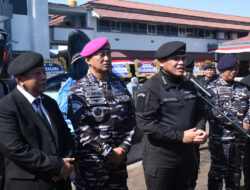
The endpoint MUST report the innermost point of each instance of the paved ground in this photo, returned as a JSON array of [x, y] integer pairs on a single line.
[[136, 178]]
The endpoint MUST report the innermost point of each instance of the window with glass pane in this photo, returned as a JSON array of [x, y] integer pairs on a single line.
[[214, 34], [242, 34], [134, 27], [173, 31], [160, 29], [151, 29], [142, 28], [167, 30], [190, 32], [115, 26], [104, 25], [182, 31], [196, 31], [126, 27], [19, 6], [228, 35], [201, 33], [207, 34], [83, 21]]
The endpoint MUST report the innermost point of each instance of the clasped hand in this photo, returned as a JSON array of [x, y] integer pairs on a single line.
[[194, 136], [119, 155], [66, 171]]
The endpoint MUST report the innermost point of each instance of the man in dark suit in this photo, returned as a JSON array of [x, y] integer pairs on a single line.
[[34, 138]]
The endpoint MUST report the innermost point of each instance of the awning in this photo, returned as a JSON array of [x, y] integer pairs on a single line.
[[239, 45], [239, 49]]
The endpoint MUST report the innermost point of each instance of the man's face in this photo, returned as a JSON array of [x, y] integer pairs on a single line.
[[173, 65], [229, 74], [100, 62], [188, 71], [209, 73], [34, 81]]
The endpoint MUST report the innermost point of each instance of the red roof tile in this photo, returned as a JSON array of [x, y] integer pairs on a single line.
[[165, 9], [103, 13], [56, 20], [239, 40]]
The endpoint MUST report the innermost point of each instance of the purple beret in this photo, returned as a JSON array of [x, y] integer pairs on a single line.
[[227, 62], [93, 46]]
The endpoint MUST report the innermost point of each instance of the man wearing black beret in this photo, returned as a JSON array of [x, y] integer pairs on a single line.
[[171, 119], [34, 137], [233, 99], [189, 66], [210, 74]]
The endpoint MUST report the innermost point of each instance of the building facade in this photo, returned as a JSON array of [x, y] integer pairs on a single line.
[[136, 30]]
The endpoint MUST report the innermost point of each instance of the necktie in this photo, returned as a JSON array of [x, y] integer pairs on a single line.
[[44, 119]]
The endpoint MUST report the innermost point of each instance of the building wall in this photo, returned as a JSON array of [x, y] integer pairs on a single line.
[[62, 34], [31, 30], [20, 27], [152, 42]]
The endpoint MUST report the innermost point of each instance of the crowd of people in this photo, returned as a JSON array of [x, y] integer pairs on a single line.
[[40, 153]]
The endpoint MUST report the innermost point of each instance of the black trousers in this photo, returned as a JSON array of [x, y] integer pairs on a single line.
[[179, 178], [246, 166]]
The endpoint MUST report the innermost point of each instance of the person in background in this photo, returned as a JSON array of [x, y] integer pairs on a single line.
[[102, 113], [171, 118], [188, 73], [246, 81], [189, 66], [210, 74], [34, 139], [246, 164], [233, 99]]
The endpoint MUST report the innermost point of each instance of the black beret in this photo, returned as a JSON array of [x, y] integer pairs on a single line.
[[169, 49], [25, 62], [209, 66], [189, 62], [227, 62]]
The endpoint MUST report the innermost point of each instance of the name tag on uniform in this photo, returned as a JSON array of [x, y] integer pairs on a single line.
[[90, 94], [170, 99], [96, 101]]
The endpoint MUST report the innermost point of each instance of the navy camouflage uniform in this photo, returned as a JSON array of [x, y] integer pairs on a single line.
[[102, 115], [233, 100]]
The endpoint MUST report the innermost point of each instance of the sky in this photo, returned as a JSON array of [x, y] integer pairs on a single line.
[[230, 7]]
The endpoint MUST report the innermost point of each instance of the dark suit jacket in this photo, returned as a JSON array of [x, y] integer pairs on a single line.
[[31, 155]]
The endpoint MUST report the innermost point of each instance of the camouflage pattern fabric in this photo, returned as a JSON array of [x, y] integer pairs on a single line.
[[233, 100], [102, 115]]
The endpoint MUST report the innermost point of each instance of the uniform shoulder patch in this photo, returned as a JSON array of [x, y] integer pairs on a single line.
[[141, 94]]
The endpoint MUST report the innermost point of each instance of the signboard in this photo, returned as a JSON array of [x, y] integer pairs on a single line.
[[146, 68], [54, 66], [121, 68]]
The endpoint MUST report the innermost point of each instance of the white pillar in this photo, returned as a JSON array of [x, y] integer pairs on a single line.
[[39, 27]]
